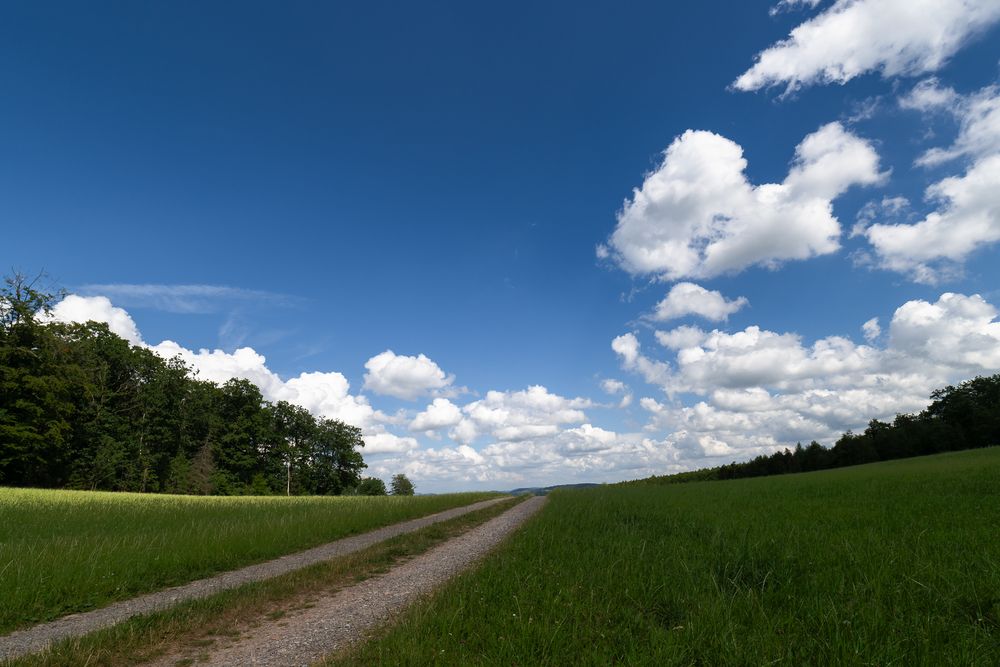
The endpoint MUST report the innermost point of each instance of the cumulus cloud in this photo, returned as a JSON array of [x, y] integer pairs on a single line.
[[75, 308], [679, 338], [967, 218], [440, 413], [628, 348], [761, 389], [978, 115], [855, 37], [383, 442], [698, 216], [871, 330], [958, 334], [690, 299], [966, 214], [614, 387], [409, 378], [929, 95], [525, 414]]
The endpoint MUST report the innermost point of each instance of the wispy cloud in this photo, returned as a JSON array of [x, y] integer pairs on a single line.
[[186, 298]]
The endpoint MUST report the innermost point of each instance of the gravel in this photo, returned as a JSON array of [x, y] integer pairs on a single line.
[[335, 622], [38, 637]]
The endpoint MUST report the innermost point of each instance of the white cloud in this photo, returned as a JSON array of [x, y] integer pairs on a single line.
[[184, 298], [680, 337], [388, 443], [871, 330], [522, 415], [788, 5], [405, 377], [698, 216], [855, 37], [75, 308], [761, 390], [441, 413], [967, 213], [967, 218], [958, 333], [613, 386], [627, 347], [889, 208], [978, 115], [929, 95], [691, 299]]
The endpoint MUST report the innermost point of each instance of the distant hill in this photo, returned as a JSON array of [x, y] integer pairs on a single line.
[[542, 490]]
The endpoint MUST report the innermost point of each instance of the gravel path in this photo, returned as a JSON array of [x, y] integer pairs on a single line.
[[38, 637], [338, 620]]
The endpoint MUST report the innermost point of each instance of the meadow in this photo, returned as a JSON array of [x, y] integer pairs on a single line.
[[68, 551], [894, 563]]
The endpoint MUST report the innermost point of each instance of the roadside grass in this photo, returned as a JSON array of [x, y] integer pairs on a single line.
[[190, 629], [69, 551], [894, 563]]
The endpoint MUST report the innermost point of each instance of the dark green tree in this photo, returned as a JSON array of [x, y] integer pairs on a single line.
[[335, 461], [37, 386], [401, 485], [371, 486]]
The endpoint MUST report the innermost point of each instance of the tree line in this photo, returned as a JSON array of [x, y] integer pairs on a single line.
[[960, 417], [82, 408]]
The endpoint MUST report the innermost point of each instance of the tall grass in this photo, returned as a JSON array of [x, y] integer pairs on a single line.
[[894, 563], [67, 551]]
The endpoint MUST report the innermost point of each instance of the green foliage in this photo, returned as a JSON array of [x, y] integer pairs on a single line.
[[38, 385], [893, 563], [401, 485], [68, 551], [371, 486], [81, 408]]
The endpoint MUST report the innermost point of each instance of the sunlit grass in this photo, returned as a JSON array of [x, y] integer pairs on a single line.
[[895, 563], [68, 551]]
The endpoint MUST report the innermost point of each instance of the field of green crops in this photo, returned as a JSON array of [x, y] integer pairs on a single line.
[[67, 551], [894, 563]]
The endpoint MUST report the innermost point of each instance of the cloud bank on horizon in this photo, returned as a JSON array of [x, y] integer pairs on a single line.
[[697, 394], [756, 389]]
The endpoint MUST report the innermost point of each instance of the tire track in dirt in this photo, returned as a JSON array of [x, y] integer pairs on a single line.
[[343, 618]]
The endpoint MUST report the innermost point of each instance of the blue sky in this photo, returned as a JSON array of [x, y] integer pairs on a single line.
[[319, 185]]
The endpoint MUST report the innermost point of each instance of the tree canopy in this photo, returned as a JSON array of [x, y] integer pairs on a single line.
[[371, 486], [80, 407], [401, 485]]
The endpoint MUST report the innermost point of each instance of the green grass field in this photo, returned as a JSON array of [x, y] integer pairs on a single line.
[[894, 563], [67, 551]]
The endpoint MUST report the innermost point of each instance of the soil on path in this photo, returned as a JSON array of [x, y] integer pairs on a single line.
[[341, 619], [39, 637]]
